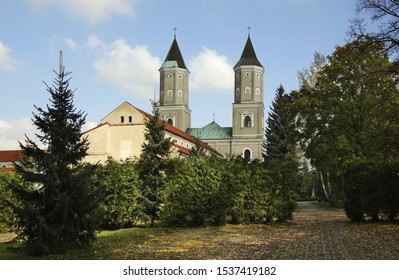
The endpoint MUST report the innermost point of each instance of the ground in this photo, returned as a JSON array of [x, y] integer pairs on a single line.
[[314, 233]]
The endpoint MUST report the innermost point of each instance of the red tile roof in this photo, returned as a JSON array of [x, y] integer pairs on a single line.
[[6, 169], [181, 133], [10, 156], [182, 149]]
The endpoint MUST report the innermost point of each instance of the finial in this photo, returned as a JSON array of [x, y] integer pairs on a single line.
[[214, 117], [174, 30], [249, 31]]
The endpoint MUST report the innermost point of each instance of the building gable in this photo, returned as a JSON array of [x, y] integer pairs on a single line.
[[124, 114]]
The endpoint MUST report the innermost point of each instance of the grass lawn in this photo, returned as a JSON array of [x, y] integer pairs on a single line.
[[107, 243]]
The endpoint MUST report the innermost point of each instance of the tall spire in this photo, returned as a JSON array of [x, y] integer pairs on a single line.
[[248, 56], [174, 57]]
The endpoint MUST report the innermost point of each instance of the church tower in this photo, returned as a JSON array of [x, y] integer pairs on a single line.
[[173, 103], [248, 107]]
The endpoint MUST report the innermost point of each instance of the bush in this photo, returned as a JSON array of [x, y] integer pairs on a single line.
[[195, 194], [213, 191], [249, 185], [117, 182], [283, 174], [6, 210], [372, 189]]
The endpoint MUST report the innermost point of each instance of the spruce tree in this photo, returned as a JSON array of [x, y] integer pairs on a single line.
[[56, 207], [152, 165], [275, 146]]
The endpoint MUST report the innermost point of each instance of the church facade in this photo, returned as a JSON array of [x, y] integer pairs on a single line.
[[246, 135], [121, 133]]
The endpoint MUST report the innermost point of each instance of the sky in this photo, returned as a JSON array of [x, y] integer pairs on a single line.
[[114, 49]]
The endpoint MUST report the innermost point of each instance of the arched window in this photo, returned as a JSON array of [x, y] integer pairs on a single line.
[[170, 121], [247, 121], [247, 155]]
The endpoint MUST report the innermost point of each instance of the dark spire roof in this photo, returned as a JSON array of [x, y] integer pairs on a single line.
[[248, 56], [174, 57]]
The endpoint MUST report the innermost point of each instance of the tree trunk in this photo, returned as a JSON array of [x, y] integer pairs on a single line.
[[329, 189], [326, 193]]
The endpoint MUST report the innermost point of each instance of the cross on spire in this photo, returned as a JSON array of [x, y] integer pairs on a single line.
[[249, 31], [174, 30]]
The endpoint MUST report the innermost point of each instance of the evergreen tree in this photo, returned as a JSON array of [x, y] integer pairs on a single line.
[[56, 206], [152, 164], [275, 146]]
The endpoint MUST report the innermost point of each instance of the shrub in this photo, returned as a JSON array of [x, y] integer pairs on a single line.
[[118, 184], [6, 201], [195, 194], [249, 186], [212, 191], [372, 189]]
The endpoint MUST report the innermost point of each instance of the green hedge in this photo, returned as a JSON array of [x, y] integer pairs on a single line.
[[372, 189], [117, 184], [7, 218], [213, 191]]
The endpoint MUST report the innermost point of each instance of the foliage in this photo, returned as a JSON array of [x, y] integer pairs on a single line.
[[118, 184], [280, 182], [195, 194], [350, 115], [6, 200], [278, 122], [55, 206], [308, 77], [213, 191], [254, 195], [372, 188], [152, 165], [284, 178]]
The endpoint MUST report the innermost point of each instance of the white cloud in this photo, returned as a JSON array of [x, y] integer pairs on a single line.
[[71, 43], [95, 11], [94, 42], [7, 63], [13, 131], [131, 68], [211, 71]]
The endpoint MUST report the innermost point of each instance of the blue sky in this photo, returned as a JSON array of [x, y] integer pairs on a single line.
[[114, 49]]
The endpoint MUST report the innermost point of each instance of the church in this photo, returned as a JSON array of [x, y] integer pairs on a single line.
[[121, 133]]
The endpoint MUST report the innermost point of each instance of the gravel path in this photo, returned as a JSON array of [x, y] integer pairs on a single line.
[[314, 234], [317, 233]]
